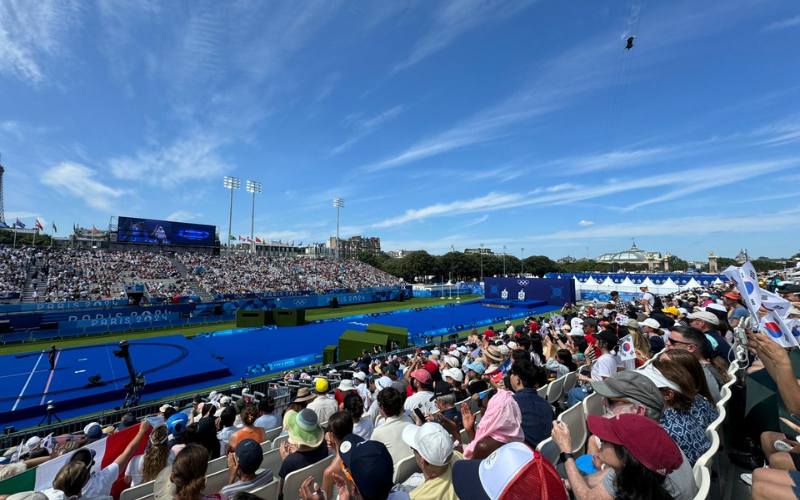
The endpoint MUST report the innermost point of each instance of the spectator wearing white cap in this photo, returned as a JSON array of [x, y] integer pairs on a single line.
[[455, 377], [708, 323], [362, 390], [510, 329], [435, 455]]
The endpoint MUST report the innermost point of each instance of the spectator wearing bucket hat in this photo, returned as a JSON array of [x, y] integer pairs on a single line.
[[435, 454], [322, 405], [640, 452], [306, 444], [473, 378]]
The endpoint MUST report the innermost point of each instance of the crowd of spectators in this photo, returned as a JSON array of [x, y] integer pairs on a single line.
[[246, 273], [471, 417], [79, 274], [14, 265]]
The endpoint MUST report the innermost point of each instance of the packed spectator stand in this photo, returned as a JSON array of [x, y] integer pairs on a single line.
[[461, 419], [245, 273]]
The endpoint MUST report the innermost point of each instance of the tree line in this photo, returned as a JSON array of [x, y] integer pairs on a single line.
[[422, 266]]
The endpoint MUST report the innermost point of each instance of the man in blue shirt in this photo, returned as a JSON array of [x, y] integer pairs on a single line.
[[537, 414]]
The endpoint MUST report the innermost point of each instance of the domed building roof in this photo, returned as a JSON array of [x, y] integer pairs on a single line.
[[633, 255]]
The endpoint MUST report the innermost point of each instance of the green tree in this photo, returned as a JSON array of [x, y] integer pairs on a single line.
[[418, 265], [541, 265], [7, 238], [677, 264], [368, 258]]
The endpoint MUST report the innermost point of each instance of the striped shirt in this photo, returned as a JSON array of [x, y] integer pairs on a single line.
[[260, 480]]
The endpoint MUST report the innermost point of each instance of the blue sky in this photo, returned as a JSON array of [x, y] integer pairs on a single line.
[[519, 122]]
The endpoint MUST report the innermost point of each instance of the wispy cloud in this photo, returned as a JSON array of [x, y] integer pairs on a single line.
[[778, 134], [196, 156], [678, 184], [32, 37], [365, 127], [782, 24], [80, 181], [492, 201], [453, 20], [566, 79], [586, 223], [477, 221]]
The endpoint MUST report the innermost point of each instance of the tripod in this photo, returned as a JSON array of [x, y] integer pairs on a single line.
[[51, 414]]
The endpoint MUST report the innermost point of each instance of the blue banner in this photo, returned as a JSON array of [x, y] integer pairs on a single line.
[[556, 292], [124, 320], [58, 306], [284, 364], [117, 313]]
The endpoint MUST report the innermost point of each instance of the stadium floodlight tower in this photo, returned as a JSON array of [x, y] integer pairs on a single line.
[[231, 183], [338, 203], [255, 188]]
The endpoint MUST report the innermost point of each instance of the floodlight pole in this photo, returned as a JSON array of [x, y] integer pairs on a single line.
[[253, 187], [522, 262], [338, 203], [231, 183], [481, 262], [504, 262]]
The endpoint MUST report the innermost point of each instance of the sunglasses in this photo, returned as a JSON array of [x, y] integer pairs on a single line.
[[672, 341]]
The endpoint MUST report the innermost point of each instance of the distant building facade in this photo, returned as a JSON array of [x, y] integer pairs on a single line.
[[349, 248], [484, 251]]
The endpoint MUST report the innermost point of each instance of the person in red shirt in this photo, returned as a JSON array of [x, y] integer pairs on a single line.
[[488, 334]]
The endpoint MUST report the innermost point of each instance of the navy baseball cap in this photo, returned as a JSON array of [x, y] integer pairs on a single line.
[[249, 455], [370, 466]]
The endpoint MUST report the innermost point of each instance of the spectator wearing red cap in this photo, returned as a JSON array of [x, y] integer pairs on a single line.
[[736, 311], [513, 471], [421, 399], [640, 465]]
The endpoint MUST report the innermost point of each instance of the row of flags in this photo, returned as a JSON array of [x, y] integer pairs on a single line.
[[21, 225], [265, 241], [782, 330]]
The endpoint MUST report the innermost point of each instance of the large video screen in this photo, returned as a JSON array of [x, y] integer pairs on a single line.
[[162, 232]]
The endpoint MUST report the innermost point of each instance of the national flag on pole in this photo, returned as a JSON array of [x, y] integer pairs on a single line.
[[292, 243], [299, 244], [55, 229], [94, 230], [249, 240], [626, 349], [746, 281], [233, 238], [39, 225], [20, 224], [258, 240], [241, 239]]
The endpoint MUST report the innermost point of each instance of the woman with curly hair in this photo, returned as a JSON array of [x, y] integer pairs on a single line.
[[144, 468]]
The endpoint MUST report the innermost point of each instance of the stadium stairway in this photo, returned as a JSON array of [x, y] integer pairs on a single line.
[[193, 284], [27, 291]]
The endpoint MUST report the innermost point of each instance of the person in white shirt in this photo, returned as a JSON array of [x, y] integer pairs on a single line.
[[269, 420], [604, 367], [96, 485], [323, 406], [144, 468], [359, 378], [390, 432], [422, 398], [646, 297], [355, 407]]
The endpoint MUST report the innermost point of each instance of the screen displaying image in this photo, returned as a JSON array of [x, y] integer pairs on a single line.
[[161, 232]]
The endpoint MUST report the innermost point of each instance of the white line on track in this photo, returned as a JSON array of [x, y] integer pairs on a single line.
[[80, 371], [27, 382]]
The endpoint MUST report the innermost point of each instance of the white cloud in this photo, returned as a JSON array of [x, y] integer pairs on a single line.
[[195, 156], [456, 18], [32, 36], [183, 216], [79, 181], [365, 127], [12, 216], [783, 24], [586, 223], [678, 184], [492, 201]]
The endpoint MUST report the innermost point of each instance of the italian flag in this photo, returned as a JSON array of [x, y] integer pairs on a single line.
[[107, 450]]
